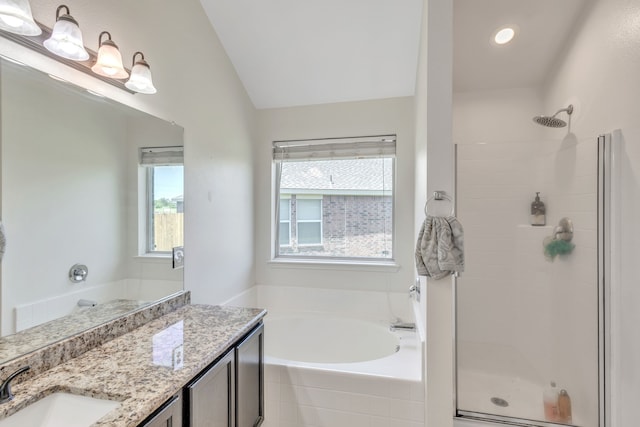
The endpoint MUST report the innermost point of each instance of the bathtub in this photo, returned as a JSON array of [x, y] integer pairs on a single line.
[[329, 370]]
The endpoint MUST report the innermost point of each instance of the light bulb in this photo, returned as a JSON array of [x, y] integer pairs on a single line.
[[11, 21], [109, 61], [66, 38]]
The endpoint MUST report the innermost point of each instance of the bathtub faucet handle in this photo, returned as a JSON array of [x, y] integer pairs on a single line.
[[415, 290], [400, 326]]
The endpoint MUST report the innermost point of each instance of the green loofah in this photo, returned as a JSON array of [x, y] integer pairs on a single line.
[[558, 247]]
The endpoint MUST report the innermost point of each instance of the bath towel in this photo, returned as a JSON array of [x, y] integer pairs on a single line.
[[440, 247]]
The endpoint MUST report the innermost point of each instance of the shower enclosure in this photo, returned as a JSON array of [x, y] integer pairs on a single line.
[[530, 306]]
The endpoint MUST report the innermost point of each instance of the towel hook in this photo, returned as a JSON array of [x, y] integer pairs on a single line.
[[438, 196]]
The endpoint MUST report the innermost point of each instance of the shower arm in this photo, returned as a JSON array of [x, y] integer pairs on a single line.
[[568, 110]]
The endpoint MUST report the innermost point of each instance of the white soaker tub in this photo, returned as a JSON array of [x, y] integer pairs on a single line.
[[328, 370]]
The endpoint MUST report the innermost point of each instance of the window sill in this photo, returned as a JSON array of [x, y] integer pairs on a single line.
[[321, 264], [153, 258]]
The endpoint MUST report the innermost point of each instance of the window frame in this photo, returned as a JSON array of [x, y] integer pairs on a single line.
[[149, 159], [149, 208], [319, 197], [288, 221], [383, 262]]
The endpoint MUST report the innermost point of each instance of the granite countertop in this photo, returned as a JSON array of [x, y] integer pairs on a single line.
[[142, 369], [22, 342]]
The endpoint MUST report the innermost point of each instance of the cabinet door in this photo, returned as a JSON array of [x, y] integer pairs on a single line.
[[211, 396], [250, 379], [168, 415]]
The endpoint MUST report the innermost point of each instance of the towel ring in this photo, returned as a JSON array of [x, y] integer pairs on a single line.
[[438, 196]]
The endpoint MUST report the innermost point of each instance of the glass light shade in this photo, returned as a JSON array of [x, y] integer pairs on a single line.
[[109, 62], [66, 41], [140, 80], [16, 17]]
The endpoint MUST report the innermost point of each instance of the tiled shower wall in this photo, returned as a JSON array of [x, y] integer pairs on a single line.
[[520, 314]]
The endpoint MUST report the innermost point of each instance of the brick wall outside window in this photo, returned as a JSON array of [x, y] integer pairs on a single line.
[[352, 226]]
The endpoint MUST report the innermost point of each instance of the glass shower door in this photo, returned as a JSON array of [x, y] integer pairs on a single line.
[[528, 304]]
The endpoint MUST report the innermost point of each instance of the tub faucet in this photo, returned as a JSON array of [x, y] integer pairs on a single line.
[[5, 388], [402, 326]]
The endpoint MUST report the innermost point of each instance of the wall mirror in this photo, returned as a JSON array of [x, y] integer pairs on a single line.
[[74, 191]]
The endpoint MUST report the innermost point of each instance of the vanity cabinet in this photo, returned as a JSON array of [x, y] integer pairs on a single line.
[[230, 392], [168, 415], [249, 354], [211, 396]]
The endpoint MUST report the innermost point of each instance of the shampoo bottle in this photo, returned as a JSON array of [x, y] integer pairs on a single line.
[[538, 212], [564, 407], [550, 401]]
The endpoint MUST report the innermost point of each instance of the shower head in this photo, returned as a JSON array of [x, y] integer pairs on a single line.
[[553, 122]]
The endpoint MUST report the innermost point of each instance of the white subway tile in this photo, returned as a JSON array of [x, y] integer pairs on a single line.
[[407, 410], [289, 412], [381, 422], [330, 418], [288, 393], [379, 406]]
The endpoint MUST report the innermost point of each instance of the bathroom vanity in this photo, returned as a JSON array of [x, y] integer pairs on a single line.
[[229, 392], [197, 365]]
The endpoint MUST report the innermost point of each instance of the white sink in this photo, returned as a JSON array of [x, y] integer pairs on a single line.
[[61, 410]]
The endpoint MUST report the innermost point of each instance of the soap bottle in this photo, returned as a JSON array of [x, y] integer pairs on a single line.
[[564, 407], [550, 402], [538, 212]]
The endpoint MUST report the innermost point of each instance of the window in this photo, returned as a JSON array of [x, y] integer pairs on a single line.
[[284, 227], [309, 221], [164, 198], [335, 198]]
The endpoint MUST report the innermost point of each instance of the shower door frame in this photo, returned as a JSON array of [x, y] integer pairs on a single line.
[[608, 146]]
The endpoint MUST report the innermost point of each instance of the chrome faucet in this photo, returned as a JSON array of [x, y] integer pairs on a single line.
[[5, 388], [401, 326]]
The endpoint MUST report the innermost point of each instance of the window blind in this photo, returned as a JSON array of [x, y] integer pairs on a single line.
[[154, 156], [335, 148]]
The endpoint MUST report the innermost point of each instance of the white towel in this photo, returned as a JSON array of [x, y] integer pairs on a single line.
[[440, 247]]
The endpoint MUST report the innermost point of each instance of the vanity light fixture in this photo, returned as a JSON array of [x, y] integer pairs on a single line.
[[13, 61], [56, 78], [66, 37], [95, 93], [140, 80], [16, 17], [109, 62]]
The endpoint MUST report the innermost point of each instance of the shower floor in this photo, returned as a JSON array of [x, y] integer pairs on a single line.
[[477, 389]]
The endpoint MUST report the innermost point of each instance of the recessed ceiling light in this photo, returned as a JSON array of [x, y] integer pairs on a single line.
[[504, 35]]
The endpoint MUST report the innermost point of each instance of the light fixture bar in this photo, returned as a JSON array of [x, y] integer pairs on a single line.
[[35, 43]]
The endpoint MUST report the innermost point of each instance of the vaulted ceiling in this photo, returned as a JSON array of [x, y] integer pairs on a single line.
[[292, 52]]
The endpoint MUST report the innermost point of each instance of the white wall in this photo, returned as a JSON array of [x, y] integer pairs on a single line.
[[599, 74], [54, 194], [377, 117], [434, 171], [71, 195], [198, 89], [496, 116]]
